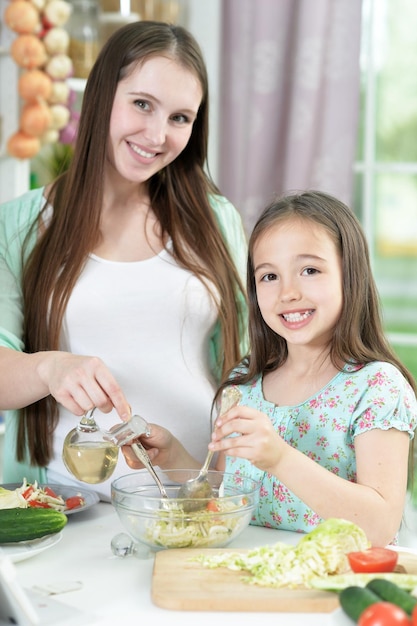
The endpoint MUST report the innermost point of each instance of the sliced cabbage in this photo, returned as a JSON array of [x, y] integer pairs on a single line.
[[11, 499], [320, 553], [201, 529]]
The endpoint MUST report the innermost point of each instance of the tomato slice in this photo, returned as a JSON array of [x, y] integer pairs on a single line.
[[384, 614], [39, 505], [373, 560], [50, 492], [28, 492], [74, 502], [213, 506]]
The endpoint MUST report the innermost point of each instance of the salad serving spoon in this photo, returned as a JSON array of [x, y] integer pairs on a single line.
[[143, 457], [195, 490]]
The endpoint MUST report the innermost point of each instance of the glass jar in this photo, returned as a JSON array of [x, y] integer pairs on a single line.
[[110, 22], [83, 29], [90, 453]]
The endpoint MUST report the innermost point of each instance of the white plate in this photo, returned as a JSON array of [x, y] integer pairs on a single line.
[[403, 549], [22, 550], [339, 618], [65, 491]]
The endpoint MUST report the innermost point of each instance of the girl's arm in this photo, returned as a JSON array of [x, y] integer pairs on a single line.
[[375, 502], [77, 382]]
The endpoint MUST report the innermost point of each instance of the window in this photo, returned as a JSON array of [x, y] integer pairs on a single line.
[[386, 166]]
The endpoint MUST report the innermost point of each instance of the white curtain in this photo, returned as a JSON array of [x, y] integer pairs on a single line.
[[289, 99]]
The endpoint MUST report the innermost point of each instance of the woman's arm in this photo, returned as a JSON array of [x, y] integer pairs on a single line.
[[79, 383]]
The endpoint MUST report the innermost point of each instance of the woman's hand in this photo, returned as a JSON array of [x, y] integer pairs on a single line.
[[163, 450], [255, 438], [81, 383]]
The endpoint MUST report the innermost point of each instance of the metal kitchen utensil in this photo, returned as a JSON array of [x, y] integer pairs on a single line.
[[143, 457], [196, 490]]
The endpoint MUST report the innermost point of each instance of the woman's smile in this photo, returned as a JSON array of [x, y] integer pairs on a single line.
[[152, 118], [141, 152]]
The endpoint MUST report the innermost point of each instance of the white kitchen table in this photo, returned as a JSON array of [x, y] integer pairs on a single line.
[[104, 589]]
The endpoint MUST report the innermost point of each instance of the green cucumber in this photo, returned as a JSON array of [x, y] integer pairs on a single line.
[[340, 581], [25, 524], [354, 600], [390, 592]]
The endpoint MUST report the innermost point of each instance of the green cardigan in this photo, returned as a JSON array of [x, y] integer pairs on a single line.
[[16, 217]]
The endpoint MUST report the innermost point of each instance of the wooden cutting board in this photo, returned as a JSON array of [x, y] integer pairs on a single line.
[[183, 585]]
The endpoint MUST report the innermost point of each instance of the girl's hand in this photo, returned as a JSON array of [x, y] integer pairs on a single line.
[[255, 438], [163, 450], [81, 383]]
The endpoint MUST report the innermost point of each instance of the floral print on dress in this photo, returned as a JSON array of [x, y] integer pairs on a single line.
[[324, 428]]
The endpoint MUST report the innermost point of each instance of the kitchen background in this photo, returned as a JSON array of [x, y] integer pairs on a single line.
[[243, 37]]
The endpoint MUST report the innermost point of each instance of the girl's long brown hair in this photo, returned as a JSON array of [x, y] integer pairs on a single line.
[[179, 197], [358, 336]]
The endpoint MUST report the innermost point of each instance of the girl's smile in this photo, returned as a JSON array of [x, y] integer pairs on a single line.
[[298, 277], [296, 319]]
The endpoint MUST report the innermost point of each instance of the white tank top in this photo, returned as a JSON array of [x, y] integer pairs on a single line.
[[150, 322]]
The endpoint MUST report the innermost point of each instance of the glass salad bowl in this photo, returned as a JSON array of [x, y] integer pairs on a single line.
[[162, 523]]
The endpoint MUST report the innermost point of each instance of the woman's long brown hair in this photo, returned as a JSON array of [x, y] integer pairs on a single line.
[[179, 197]]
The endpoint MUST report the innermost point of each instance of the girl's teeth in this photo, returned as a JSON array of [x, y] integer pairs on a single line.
[[296, 317]]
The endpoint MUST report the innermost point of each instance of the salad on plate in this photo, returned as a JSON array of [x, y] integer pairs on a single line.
[[33, 495]]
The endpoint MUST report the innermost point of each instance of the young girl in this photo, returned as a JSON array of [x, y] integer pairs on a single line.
[[328, 411]]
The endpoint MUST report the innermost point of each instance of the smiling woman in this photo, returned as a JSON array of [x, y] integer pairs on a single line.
[[134, 266], [153, 120]]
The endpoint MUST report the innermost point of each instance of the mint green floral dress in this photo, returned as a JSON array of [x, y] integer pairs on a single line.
[[324, 427]]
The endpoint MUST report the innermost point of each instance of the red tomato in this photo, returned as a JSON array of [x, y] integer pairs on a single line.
[[50, 492], [373, 560], [28, 492], [38, 505], [384, 614], [213, 506], [74, 502], [414, 616]]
